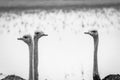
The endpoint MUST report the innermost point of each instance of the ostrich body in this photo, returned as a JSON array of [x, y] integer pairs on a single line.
[[95, 36], [12, 77], [112, 77], [28, 40], [37, 35]]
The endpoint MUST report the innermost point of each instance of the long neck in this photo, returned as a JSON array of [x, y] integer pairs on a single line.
[[31, 76], [95, 65], [36, 59]]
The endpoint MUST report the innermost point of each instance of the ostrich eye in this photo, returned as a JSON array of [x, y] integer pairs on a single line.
[[37, 33], [25, 37], [94, 31]]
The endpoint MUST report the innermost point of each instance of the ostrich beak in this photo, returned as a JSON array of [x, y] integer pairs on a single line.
[[45, 34], [20, 38], [86, 33]]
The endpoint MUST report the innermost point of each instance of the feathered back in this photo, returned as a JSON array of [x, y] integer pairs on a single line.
[[112, 77], [96, 77], [12, 77]]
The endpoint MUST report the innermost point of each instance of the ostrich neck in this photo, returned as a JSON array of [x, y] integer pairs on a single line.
[[35, 46], [35, 58], [95, 66], [31, 76]]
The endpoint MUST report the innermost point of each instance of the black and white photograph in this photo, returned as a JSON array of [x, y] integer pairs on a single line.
[[59, 39]]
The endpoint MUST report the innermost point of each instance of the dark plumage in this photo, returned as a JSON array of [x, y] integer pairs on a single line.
[[96, 77], [112, 77], [12, 77]]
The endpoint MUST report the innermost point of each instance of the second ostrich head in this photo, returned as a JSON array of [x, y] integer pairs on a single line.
[[39, 34], [27, 39]]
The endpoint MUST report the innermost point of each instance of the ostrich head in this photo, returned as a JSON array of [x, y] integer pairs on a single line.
[[39, 34], [26, 38], [93, 33]]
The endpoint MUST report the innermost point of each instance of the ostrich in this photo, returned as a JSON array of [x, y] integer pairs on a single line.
[[37, 35], [28, 40], [95, 36], [96, 76]]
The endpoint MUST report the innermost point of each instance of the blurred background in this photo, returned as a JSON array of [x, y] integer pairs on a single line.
[[54, 2], [66, 53]]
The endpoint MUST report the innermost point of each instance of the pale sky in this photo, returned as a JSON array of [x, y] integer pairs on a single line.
[[66, 51]]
